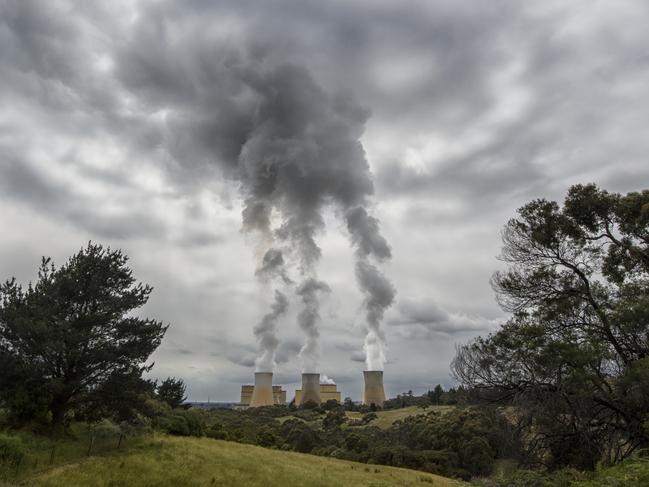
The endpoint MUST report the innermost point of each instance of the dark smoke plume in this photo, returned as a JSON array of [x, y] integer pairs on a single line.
[[272, 266], [293, 148], [302, 152]]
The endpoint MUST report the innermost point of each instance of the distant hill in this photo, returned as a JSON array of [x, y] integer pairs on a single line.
[[385, 418], [174, 462]]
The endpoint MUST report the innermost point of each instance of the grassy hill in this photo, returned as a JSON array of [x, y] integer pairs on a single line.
[[386, 418], [173, 461]]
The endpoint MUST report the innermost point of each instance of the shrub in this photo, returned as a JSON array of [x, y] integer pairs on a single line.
[[12, 451], [216, 431], [266, 438], [368, 418]]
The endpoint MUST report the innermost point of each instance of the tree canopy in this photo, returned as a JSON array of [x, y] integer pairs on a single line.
[[172, 391], [574, 357], [71, 341]]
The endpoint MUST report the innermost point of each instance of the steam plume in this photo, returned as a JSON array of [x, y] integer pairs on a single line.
[[266, 334], [308, 320], [379, 292]]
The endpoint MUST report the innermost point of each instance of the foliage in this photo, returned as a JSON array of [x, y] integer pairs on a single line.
[[67, 337], [633, 472], [436, 397], [334, 418], [192, 422], [30, 453], [457, 442], [172, 391], [573, 360], [12, 451]]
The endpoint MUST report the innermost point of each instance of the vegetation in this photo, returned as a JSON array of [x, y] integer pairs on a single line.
[[167, 461], [573, 361], [449, 441], [558, 396], [386, 418], [24, 454], [68, 343], [172, 392]]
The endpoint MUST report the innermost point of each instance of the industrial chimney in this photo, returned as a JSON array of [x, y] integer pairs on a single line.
[[310, 388], [262, 395], [374, 392]]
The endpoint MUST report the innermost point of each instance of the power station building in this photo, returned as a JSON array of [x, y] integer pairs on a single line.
[[327, 393], [263, 393], [279, 394]]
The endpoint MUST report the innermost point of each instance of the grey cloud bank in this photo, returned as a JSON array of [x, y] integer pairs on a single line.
[[153, 126]]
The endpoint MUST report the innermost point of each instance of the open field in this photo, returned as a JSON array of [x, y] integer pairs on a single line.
[[173, 461], [386, 418]]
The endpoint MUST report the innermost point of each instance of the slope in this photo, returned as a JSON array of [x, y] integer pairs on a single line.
[[173, 461]]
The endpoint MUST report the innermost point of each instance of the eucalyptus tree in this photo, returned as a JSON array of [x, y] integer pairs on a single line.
[[574, 356]]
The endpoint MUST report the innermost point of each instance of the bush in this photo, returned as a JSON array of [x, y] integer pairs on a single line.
[[183, 423], [368, 418], [12, 451], [107, 429], [266, 438], [334, 419], [216, 431]]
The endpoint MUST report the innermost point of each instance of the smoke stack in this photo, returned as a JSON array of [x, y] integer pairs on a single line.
[[262, 395], [310, 388], [374, 392]]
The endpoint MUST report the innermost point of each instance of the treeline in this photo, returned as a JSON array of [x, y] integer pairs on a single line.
[[459, 442], [435, 397]]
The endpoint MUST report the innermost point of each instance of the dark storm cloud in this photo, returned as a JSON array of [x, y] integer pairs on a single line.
[[22, 180]]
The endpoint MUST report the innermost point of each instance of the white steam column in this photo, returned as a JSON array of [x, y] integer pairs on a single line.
[[310, 388], [373, 392], [262, 395]]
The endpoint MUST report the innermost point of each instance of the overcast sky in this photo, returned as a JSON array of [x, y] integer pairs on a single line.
[[122, 122]]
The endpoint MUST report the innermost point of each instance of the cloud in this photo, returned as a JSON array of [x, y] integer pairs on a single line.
[[426, 318], [122, 122]]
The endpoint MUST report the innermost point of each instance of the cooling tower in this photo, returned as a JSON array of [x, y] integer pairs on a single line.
[[310, 388], [262, 395], [373, 393]]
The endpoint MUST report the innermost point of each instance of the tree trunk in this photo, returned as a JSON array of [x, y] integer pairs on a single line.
[[59, 407]]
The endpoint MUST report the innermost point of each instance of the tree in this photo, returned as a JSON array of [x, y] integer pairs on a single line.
[[172, 391], [574, 357], [72, 334], [436, 394]]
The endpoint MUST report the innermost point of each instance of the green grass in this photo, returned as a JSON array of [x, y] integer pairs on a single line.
[[173, 461], [42, 452], [631, 473], [385, 418]]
